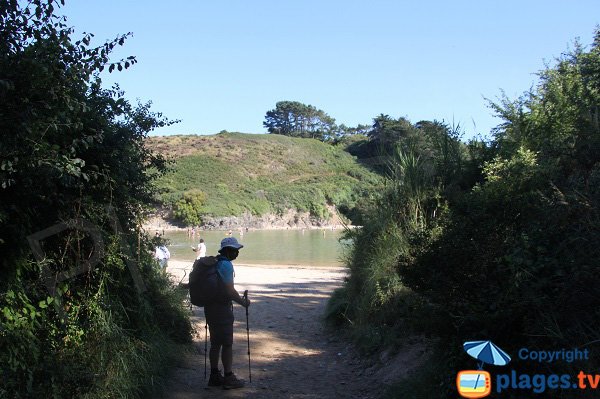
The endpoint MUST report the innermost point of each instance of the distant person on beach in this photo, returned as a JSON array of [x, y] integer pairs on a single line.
[[219, 317], [201, 250], [162, 254]]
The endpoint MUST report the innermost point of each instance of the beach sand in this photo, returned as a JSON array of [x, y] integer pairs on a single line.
[[292, 354]]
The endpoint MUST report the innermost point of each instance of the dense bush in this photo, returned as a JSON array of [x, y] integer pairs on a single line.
[[87, 314], [188, 209], [509, 252], [411, 209]]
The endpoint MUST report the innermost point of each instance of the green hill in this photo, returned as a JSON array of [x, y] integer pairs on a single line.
[[261, 174]]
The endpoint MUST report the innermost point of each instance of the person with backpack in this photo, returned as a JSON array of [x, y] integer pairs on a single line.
[[219, 316]]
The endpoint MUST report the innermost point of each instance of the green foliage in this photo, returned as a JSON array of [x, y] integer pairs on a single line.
[[388, 131], [374, 300], [560, 120], [508, 172], [492, 240], [263, 173], [520, 247], [345, 134], [69, 148], [189, 208], [292, 118]]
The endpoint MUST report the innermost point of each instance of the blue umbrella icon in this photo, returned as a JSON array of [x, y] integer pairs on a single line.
[[486, 352]]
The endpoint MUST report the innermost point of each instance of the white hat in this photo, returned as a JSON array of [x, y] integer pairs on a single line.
[[230, 242]]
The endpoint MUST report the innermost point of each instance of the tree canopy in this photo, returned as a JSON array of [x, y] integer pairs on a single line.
[[292, 118]]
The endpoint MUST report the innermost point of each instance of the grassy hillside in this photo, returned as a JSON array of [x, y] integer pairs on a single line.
[[262, 173]]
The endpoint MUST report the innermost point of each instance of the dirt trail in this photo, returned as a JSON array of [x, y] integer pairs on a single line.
[[292, 356]]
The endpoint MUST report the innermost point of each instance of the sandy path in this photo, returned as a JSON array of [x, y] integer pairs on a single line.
[[292, 355]]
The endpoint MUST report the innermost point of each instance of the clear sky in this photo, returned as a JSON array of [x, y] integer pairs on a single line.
[[222, 64]]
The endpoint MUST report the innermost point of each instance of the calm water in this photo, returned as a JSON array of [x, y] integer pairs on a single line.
[[268, 247]]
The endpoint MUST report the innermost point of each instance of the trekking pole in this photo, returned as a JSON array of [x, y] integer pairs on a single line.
[[205, 346], [248, 336]]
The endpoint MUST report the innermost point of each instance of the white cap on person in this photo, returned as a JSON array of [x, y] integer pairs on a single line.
[[230, 242]]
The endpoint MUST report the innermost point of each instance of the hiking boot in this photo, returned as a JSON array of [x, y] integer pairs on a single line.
[[232, 382], [215, 380]]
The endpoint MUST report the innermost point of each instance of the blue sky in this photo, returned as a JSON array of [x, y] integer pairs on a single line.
[[221, 65]]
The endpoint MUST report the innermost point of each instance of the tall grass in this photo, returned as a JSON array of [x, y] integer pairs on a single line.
[[112, 342], [374, 303]]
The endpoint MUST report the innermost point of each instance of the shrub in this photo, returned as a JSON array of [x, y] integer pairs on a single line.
[[70, 148], [189, 208]]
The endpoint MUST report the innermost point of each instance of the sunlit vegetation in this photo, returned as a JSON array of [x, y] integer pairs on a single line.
[[261, 174]]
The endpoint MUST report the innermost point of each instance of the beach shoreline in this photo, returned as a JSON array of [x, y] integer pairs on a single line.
[[294, 354], [258, 273]]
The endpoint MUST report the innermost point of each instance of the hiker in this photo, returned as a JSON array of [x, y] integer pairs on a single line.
[[219, 317], [201, 249]]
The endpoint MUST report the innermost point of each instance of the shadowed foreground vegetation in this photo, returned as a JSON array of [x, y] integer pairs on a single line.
[[489, 240], [90, 315], [482, 240]]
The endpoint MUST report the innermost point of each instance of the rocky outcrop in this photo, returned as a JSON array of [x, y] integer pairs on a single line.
[[291, 219]]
